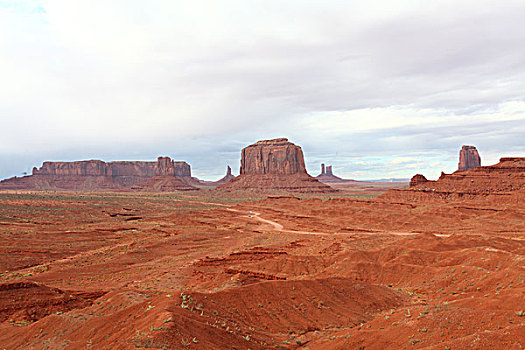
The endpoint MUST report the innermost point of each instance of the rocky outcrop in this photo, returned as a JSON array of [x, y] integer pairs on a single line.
[[327, 175], [502, 181], [278, 156], [228, 177], [96, 175], [468, 158], [417, 179], [165, 183], [274, 166]]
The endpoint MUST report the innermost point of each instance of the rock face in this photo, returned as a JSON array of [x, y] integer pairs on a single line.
[[278, 156], [94, 175], [274, 165], [504, 181], [417, 179], [163, 166], [468, 158]]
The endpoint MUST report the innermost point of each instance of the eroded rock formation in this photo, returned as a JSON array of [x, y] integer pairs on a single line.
[[278, 156], [468, 158], [417, 179], [504, 181], [327, 175], [94, 175], [274, 165], [228, 177]]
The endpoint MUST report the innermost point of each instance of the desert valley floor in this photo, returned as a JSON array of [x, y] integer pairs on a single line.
[[212, 270]]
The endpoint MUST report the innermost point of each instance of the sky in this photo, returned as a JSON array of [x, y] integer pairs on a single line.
[[378, 89]]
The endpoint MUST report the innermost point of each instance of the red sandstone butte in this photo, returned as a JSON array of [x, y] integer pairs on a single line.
[[274, 165], [468, 158]]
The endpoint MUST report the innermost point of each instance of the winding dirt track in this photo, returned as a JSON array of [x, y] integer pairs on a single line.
[[278, 227]]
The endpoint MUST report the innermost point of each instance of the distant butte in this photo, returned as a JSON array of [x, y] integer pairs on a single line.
[[96, 175], [274, 165], [327, 175], [468, 158]]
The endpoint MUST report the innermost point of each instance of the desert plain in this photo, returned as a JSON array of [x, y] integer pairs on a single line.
[[223, 270]]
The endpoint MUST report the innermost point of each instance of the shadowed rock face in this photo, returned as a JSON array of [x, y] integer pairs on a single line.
[[468, 158], [278, 156]]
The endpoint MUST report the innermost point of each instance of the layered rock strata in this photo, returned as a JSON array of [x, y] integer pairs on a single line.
[[468, 158], [274, 165], [417, 179], [99, 175], [504, 180]]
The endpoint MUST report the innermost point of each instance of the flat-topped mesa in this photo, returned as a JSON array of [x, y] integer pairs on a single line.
[[96, 175], [278, 156], [274, 166], [468, 158]]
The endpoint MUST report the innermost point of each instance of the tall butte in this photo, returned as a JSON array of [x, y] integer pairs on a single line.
[[468, 158], [274, 165]]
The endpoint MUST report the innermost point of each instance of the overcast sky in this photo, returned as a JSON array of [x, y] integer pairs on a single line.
[[379, 89]]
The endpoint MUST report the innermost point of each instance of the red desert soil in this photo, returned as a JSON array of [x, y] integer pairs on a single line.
[[216, 270]]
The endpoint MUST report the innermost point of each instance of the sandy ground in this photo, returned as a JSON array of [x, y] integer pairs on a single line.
[[211, 271]]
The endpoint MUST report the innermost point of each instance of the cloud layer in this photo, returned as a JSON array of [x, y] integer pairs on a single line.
[[376, 89]]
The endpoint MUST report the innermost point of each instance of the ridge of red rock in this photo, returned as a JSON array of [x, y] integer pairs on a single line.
[[506, 180], [95, 175]]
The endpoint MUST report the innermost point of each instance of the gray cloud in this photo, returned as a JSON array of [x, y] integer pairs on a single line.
[[200, 80]]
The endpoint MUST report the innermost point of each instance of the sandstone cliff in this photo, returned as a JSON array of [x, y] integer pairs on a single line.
[[274, 165], [95, 175], [278, 156], [502, 181], [163, 166], [468, 158]]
